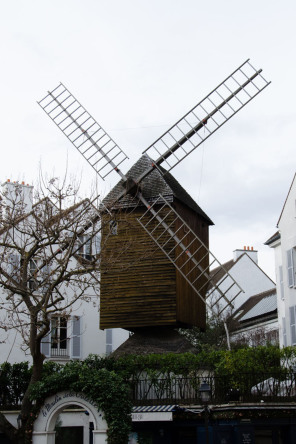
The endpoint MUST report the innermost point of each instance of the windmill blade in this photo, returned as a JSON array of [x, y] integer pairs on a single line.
[[187, 252], [207, 116], [88, 137]]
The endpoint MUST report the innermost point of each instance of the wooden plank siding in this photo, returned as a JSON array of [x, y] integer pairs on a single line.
[[138, 282], [191, 309], [140, 287]]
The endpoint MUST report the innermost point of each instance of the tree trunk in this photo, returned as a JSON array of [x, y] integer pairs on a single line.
[[38, 359]]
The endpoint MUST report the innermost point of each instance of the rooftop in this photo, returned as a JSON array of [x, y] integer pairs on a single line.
[[153, 185]]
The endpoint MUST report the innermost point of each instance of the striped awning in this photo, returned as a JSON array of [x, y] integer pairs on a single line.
[[153, 413]]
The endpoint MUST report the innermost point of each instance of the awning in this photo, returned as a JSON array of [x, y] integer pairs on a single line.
[[153, 413]]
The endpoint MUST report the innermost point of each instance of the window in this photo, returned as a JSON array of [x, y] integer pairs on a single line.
[[272, 337], [292, 325], [90, 246], [290, 266], [64, 338], [59, 340], [38, 270], [113, 227]]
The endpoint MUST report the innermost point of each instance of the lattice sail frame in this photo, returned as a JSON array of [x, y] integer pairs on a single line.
[[154, 223], [88, 137], [210, 114]]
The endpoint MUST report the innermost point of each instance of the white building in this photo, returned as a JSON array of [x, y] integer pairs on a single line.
[[74, 333], [256, 322], [245, 270], [284, 244]]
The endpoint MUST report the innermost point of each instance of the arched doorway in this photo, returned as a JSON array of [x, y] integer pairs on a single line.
[[44, 425]]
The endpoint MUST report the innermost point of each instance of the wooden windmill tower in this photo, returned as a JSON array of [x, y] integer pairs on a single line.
[[161, 277]]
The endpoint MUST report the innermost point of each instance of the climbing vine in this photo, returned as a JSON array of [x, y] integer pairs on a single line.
[[107, 389]]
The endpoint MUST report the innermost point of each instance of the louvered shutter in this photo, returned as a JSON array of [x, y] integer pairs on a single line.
[[290, 267], [292, 325], [45, 276], [294, 265], [45, 345], [109, 340], [76, 337], [14, 266], [97, 241]]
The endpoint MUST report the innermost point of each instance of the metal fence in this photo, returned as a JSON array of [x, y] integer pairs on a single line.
[[247, 387], [172, 389]]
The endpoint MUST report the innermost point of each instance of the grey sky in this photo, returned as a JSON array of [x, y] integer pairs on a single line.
[[137, 67]]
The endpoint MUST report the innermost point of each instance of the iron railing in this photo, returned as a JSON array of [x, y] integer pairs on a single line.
[[59, 352], [280, 387]]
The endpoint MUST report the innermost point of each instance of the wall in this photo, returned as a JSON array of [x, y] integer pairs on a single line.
[[287, 228], [250, 277]]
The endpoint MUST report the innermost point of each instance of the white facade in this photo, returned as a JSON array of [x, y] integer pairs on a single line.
[[74, 335], [284, 244], [245, 271]]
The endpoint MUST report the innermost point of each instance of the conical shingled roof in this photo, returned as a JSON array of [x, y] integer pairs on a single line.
[[156, 341], [153, 185]]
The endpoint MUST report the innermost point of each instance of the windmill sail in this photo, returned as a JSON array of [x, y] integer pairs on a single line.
[[238, 89], [88, 137], [187, 253]]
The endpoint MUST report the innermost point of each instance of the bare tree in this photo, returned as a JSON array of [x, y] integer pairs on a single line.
[[42, 270], [260, 336]]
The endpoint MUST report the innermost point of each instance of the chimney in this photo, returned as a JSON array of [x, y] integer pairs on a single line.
[[246, 250], [17, 196]]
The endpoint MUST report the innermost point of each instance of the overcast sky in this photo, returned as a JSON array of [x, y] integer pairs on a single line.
[[137, 67]]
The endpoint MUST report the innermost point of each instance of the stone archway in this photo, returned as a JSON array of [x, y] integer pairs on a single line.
[[43, 430]]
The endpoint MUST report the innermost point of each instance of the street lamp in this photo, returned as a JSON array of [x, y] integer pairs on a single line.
[[19, 421], [205, 394]]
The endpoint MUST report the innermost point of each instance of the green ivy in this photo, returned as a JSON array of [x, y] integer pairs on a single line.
[[107, 389]]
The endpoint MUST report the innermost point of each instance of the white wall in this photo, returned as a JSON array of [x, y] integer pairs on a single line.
[[249, 276], [287, 228], [93, 340]]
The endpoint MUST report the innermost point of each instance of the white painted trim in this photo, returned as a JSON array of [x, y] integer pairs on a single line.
[[43, 432]]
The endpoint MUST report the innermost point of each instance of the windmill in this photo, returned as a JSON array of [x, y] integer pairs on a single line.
[[182, 247]]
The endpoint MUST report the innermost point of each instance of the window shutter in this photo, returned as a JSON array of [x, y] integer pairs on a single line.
[[76, 337], [290, 267], [97, 242], [292, 325], [109, 341], [294, 265], [14, 266], [45, 345], [45, 276]]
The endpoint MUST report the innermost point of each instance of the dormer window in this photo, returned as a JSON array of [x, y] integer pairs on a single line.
[[113, 227]]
